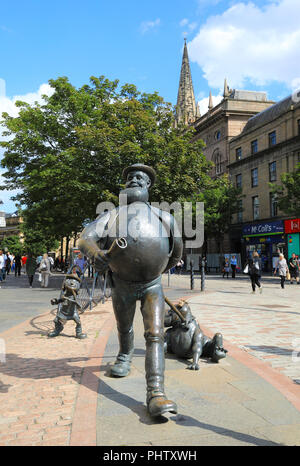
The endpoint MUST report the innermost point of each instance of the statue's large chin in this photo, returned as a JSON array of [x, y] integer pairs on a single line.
[[135, 194]]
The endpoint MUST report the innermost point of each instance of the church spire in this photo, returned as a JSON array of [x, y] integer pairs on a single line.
[[186, 104]]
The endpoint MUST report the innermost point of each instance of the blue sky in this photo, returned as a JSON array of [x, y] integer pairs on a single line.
[[254, 44]]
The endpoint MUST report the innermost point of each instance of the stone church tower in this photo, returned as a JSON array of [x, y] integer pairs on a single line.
[[186, 110]]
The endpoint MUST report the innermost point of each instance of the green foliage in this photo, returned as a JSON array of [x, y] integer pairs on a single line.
[[12, 244], [288, 194], [221, 201], [68, 154]]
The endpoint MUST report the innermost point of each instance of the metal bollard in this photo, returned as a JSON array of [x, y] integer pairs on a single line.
[[202, 275], [192, 273]]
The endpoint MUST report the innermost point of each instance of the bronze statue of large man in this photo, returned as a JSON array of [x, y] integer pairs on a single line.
[[135, 257]]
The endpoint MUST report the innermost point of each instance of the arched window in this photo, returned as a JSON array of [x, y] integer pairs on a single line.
[[217, 160]]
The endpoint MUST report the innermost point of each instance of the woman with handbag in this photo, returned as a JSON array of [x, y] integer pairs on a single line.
[[282, 268], [44, 269], [253, 268]]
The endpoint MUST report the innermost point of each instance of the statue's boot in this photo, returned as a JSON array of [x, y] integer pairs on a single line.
[[122, 365], [79, 333], [215, 348], [57, 330], [157, 402]]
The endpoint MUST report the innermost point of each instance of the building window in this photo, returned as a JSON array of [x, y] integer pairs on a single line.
[[272, 171], [298, 127], [218, 135], [255, 207], [254, 177], [273, 205], [239, 180], [238, 153], [272, 138], [254, 147], [240, 211], [218, 164]]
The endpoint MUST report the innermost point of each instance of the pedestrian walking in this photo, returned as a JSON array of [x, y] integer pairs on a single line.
[[2, 266], [12, 263], [179, 266], [293, 266], [23, 260], [8, 262], [253, 268], [44, 269], [233, 263], [18, 264], [282, 268], [226, 267], [80, 261], [31, 267]]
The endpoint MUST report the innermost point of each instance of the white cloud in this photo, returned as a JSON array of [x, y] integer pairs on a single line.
[[247, 42], [147, 25], [7, 104], [203, 102]]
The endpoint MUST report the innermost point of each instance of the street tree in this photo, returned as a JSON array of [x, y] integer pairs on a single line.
[[288, 193]]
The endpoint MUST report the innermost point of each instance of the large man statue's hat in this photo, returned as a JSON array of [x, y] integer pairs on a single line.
[[143, 168]]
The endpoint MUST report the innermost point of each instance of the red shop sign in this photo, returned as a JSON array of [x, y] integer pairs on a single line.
[[292, 226]]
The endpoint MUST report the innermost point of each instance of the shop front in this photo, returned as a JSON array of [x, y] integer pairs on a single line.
[[292, 231], [267, 238]]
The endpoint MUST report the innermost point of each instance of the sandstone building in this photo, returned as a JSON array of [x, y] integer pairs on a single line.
[[268, 146]]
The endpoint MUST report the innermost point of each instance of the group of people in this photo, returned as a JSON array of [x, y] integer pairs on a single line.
[[11, 263], [29, 264], [286, 270], [229, 264]]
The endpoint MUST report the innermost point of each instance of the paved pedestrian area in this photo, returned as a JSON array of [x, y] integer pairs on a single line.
[[265, 325], [50, 391], [222, 404]]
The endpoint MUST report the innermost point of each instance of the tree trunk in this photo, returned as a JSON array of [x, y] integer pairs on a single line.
[[61, 248], [67, 247], [75, 240]]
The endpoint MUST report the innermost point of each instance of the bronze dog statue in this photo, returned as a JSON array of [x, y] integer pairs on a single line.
[[185, 338]]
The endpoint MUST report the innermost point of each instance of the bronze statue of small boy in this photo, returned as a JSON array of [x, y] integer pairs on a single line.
[[68, 307]]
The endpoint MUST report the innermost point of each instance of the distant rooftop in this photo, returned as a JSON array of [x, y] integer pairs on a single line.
[[248, 95], [268, 115]]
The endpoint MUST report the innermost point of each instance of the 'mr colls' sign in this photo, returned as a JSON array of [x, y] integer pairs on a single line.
[[266, 228]]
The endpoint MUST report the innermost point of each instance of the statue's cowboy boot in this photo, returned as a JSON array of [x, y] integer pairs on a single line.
[[217, 351], [57, 330], [79, 333], [157, 402], [122, 365]]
